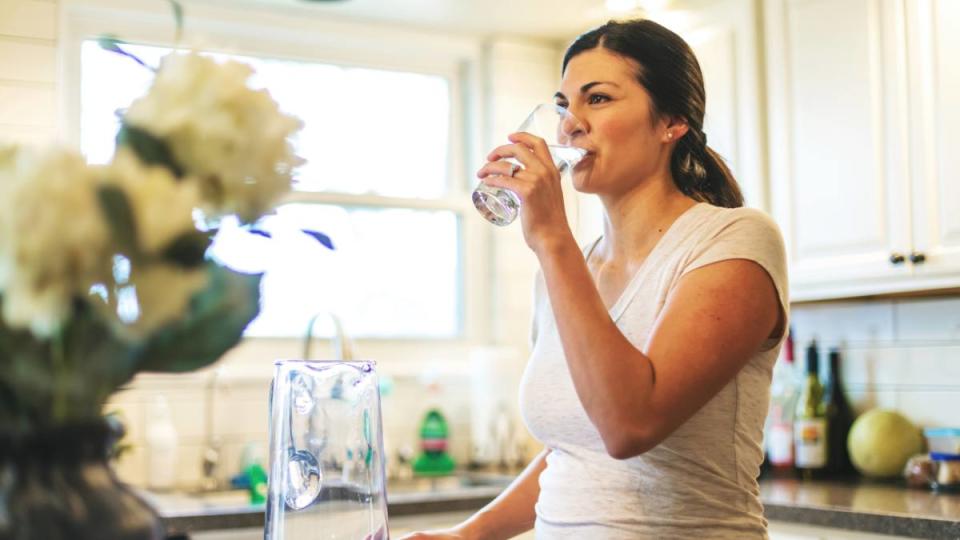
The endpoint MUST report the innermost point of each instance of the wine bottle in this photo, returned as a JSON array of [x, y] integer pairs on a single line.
[[810, 421], [783, 405], [839, 419]]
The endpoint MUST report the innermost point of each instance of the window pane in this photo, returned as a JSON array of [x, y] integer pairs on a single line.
[[393, 272], [365, 131]]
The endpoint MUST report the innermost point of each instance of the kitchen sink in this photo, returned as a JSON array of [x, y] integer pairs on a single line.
[[454, 482], [462, 482]]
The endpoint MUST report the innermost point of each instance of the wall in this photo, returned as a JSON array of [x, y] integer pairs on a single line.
[[901, 354], [28, 71]]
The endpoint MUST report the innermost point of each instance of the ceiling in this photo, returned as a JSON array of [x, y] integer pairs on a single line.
[[544, 19]]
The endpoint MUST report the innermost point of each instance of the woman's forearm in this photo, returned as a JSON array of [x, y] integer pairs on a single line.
[[610, 375], [512, 512]]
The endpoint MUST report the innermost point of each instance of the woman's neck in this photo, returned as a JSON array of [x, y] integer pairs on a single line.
[[636, 220]]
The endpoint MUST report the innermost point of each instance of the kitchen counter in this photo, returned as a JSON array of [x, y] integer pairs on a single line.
[[866, 507], [185, 513], [874, 507]]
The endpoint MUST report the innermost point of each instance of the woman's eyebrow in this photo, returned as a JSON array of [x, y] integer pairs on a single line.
[[585, 88]]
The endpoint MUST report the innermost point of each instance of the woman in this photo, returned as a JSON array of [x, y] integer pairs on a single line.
[[649, 378]]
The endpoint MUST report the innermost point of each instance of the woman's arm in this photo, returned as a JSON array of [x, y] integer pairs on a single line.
[[714, 321], [510, 514], [716, 318]]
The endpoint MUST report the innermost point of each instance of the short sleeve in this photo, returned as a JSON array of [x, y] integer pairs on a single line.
[[745, 233]]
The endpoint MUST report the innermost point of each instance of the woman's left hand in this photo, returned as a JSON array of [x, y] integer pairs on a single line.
[[537, 183]]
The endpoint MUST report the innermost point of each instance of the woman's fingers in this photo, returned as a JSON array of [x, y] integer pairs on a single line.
[[499, 168], [536, 144], [525, 150]]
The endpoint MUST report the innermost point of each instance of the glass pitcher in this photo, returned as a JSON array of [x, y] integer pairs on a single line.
[[326, 453]]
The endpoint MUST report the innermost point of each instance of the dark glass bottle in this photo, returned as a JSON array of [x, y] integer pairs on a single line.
[[810, 422], [839, 415]]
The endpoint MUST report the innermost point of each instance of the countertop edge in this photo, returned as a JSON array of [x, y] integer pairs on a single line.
[[408, 504], [178, 523], [879, 523]]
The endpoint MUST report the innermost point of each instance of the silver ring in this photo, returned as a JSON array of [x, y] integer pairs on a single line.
[[513, 169]]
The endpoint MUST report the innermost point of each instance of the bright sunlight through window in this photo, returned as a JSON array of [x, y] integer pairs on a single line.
[[380, 136]]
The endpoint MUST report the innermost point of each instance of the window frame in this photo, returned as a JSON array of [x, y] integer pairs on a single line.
[[289, 35]]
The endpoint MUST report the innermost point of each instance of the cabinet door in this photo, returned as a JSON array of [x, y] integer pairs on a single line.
[[837, 128], [934, 42], [724, 35]]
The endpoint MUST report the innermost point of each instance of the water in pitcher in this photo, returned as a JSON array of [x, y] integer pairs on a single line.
[[501, 206]]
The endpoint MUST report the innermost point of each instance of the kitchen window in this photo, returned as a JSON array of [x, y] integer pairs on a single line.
[[383, 179]]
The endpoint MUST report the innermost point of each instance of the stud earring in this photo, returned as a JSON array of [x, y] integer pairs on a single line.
[[669, 134]]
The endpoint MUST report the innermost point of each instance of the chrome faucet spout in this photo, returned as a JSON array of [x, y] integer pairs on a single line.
[[211, 451], [343, 347]]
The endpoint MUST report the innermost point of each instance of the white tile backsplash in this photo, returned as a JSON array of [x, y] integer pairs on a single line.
[[900, 354], [833, 324], [937, 319], [30, 62]]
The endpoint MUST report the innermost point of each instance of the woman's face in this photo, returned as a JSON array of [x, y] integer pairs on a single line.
[[624, 143]]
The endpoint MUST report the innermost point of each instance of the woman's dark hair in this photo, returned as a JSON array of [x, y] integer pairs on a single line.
[[671, 75]]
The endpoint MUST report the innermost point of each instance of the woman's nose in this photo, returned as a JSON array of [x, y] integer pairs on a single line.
[[571, 128]]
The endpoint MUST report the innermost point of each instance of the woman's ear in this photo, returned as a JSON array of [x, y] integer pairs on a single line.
[[675, 129]]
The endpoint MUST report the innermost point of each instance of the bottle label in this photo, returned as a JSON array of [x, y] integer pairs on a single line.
[[810, 439], [780, 446]]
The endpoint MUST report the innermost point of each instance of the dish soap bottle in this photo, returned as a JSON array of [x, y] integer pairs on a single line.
[[161, 443], [434, 460]]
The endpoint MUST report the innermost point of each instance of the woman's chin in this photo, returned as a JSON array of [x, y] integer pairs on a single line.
[[581, 182]]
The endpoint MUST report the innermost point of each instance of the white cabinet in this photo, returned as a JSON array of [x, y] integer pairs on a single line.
[[934, 30], [725, 37], [860, 178]]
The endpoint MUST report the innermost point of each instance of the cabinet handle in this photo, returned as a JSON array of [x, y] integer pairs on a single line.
[[897, 258], [917, 258]]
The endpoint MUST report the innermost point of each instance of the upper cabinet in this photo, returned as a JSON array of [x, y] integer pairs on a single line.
[[859, 124], [934, 30], [725, 37]]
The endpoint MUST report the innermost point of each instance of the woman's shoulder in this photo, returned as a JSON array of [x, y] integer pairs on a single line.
[[741, 220]]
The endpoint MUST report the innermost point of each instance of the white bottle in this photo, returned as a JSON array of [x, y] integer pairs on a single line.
[[161, 446]]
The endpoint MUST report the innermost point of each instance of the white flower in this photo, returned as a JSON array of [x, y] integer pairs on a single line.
[[53, 238], [162, 206], [231, 138]]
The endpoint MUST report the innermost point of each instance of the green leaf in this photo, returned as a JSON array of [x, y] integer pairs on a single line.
[[178, 17], [116, 208], [150, 149], [97, 361], [113, 44], [218, 315], [188, 249]]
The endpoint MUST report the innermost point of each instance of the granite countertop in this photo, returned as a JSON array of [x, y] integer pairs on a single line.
[[882, 508], [867, 507]]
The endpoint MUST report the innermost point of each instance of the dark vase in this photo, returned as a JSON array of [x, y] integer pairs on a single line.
[[55, 484]]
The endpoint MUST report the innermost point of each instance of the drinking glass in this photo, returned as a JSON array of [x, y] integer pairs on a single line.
[[326, 453], [556, 126]]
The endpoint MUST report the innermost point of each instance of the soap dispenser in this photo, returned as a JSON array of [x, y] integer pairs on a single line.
[[161, 443]]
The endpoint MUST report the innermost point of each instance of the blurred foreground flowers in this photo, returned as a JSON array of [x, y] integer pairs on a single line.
[[103, 269]]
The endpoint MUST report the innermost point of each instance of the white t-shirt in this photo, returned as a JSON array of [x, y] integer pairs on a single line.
[[700, 482]]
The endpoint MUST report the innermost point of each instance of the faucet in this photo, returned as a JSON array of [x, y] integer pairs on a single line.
[[343, 347], [211, 451]]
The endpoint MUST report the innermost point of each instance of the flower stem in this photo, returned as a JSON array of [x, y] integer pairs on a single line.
[[60, 378]]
